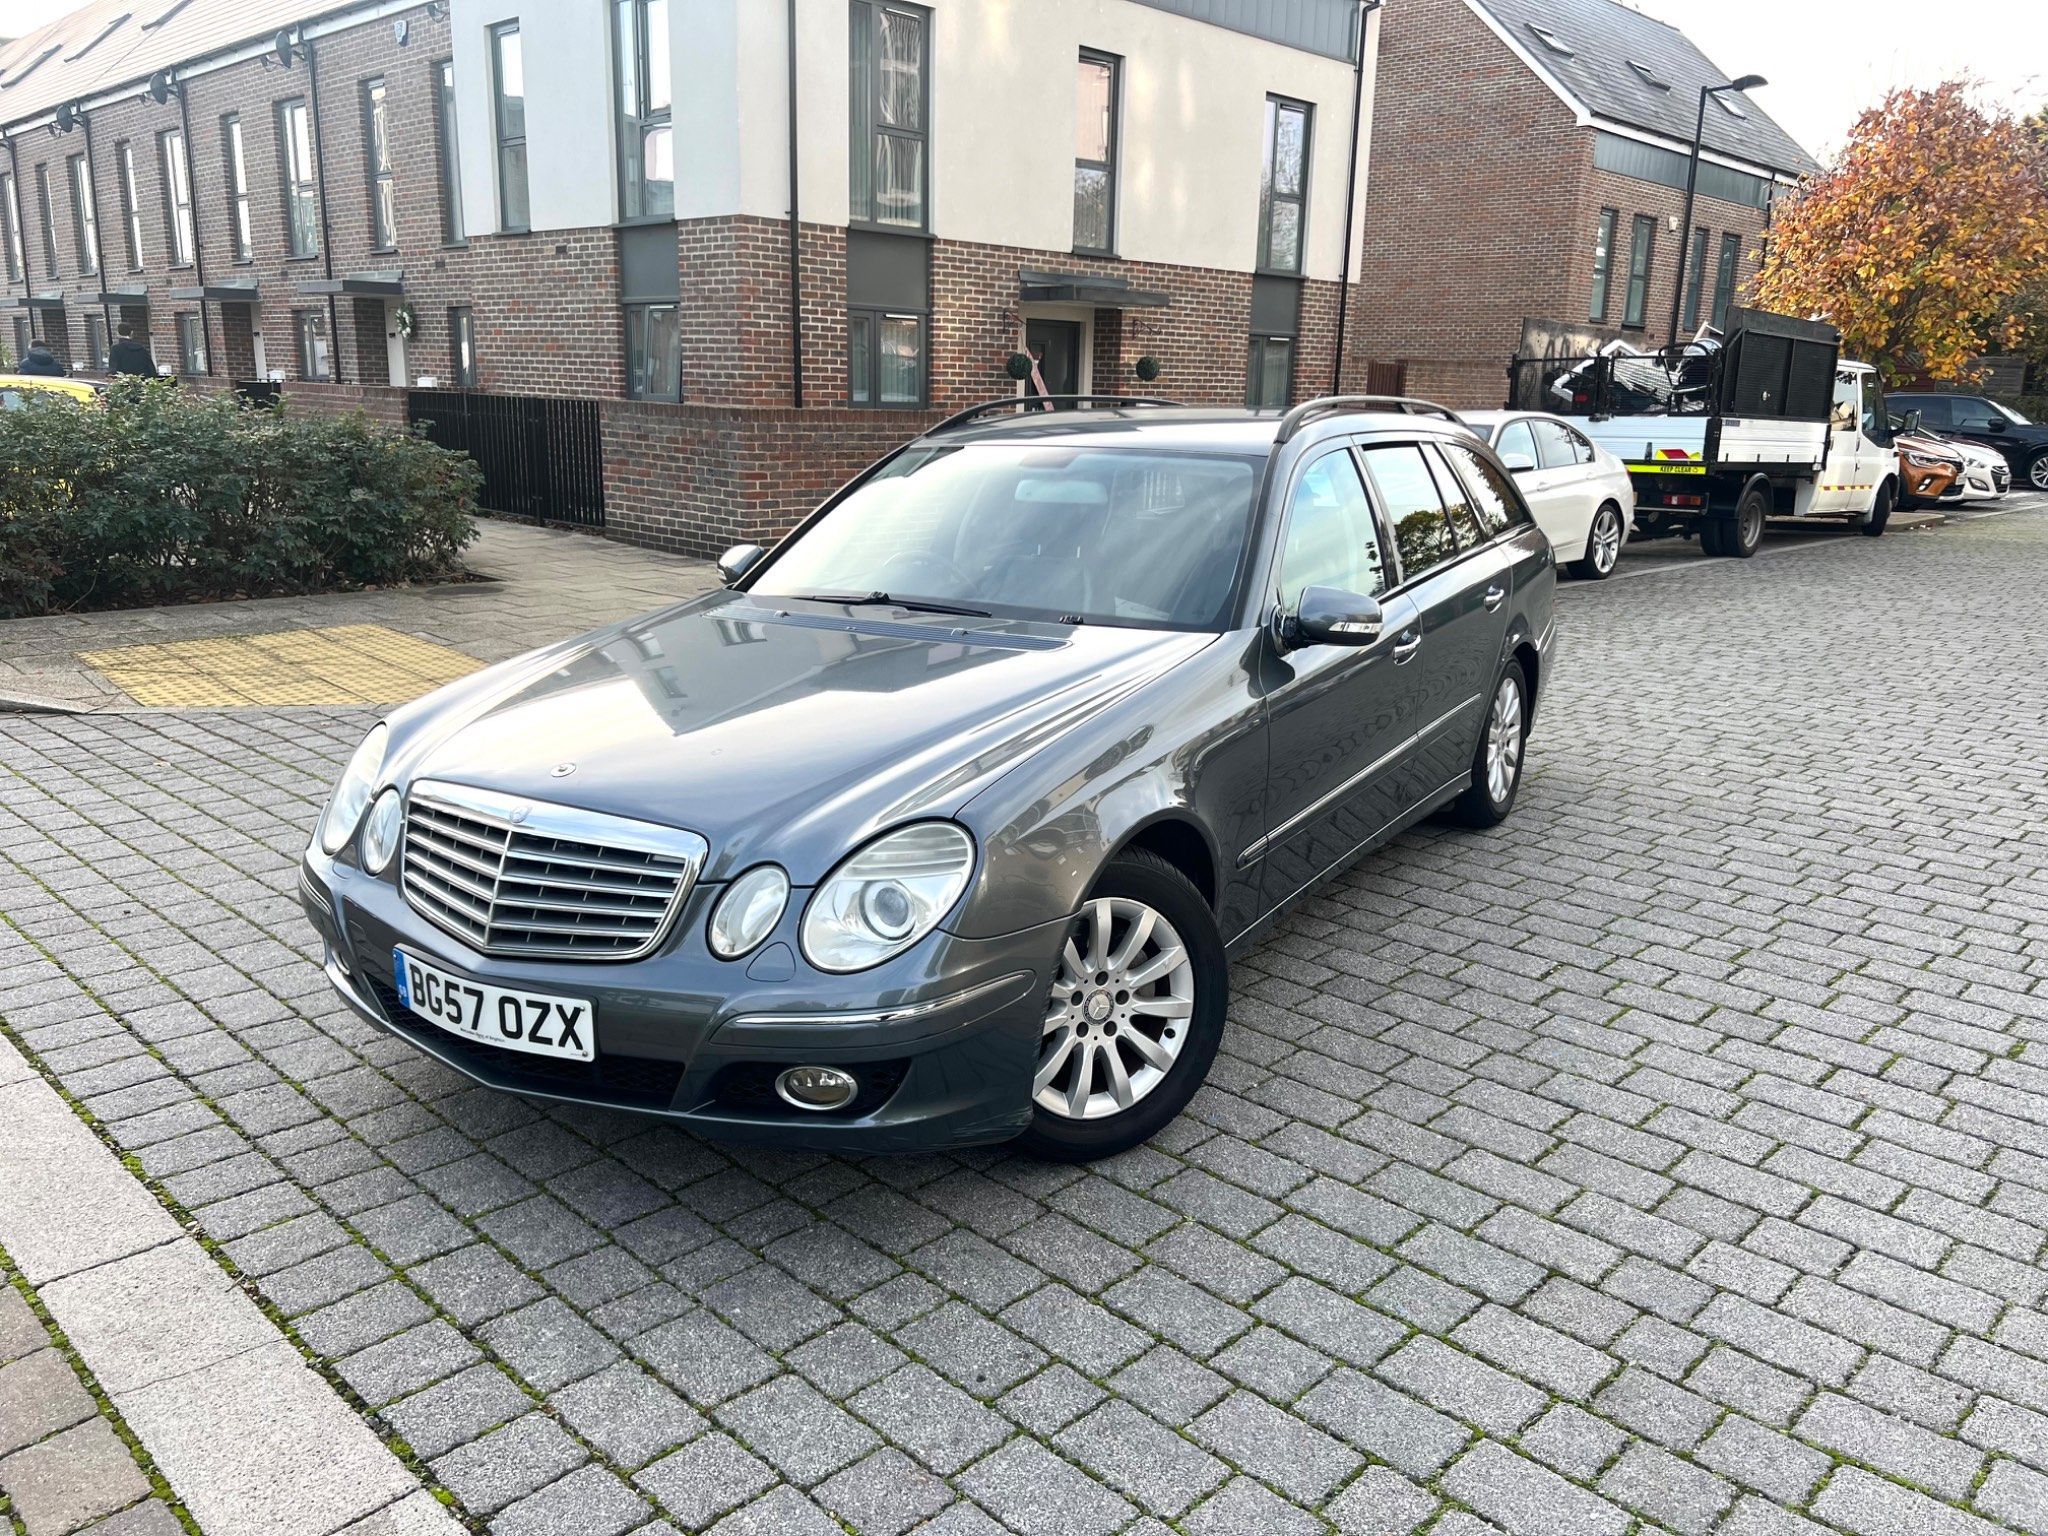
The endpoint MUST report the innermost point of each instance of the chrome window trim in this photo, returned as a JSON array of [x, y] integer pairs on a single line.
[[518, 815]]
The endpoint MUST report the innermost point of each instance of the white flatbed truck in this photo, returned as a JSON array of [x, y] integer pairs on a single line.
[[1761, 420]]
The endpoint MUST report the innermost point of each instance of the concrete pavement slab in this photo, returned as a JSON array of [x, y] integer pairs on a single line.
[[258, 1445], [66, 1204], [154, 1315]]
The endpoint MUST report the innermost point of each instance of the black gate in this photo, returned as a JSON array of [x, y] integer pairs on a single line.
[[542, 458]]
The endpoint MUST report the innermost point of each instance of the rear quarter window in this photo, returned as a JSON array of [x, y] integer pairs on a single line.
[[1494, 497]]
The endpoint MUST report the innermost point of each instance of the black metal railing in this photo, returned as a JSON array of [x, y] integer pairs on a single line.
[[541, 457]]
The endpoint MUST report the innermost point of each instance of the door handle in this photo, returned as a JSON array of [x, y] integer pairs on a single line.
[[1407, 646], [1495, 596]]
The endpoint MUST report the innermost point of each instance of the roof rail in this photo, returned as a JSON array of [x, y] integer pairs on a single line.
[[1337, 405], [1031, 402]]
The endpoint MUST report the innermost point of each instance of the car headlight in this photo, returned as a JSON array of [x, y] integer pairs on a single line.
[[748, 911], [887, 896], [351, 796], [380, 832], [1924, 462]]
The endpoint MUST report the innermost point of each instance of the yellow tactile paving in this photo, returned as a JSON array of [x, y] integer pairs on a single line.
[[349, 664]]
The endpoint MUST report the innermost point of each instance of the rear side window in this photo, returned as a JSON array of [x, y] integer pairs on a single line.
[[1332, 540], [1407, 491], [1935, 410], [1554, 444], [1494, 495], [1516, 437], [1582, 446]]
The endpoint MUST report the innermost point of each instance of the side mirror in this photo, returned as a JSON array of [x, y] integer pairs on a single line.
[[1912, 422], [739, 560], [1517, 463], [1995, 424], [1331, 616]]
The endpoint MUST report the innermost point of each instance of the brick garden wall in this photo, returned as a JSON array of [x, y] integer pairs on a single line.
[[699, 479]]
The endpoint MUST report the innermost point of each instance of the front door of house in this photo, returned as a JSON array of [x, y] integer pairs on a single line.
[[1061, 364]]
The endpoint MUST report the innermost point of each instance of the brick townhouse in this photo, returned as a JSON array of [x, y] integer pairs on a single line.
[[1528, 187], [567, 227]]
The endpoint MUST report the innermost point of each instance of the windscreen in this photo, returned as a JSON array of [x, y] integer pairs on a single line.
[[1108, 536]]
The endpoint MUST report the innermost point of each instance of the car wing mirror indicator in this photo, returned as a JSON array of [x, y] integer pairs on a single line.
[[1331, 616]]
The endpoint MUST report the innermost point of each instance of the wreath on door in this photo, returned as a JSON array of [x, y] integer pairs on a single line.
[[408, 321]]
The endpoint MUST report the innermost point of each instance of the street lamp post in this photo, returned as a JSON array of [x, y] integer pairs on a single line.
[[1692, 181]]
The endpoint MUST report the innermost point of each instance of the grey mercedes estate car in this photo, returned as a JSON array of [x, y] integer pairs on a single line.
[[939, 823]]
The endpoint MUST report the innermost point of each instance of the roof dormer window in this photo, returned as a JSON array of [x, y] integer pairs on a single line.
[[1649, 76], [1725, 100], [1551, 40]]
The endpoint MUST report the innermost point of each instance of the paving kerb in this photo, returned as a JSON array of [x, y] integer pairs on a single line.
[[252, 1440]]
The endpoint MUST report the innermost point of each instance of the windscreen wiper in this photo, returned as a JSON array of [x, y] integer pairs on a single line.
[[881, 599]]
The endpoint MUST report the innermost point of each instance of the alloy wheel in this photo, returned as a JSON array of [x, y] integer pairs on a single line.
[[1604, 548], [2037, 472], [1119, 1011], [1504, 740]]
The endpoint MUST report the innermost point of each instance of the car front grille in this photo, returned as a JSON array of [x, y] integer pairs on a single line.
[[517, 877]]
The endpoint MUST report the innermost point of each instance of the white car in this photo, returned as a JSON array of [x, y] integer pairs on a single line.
[[1986, 475], [1581, 494]]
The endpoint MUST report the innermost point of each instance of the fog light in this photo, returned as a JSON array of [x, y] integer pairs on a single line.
[[816, 1088]]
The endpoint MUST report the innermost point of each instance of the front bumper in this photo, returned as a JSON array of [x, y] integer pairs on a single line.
[[943, 1039]]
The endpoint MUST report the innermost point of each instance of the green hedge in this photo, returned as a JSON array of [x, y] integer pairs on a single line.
[[154, 494]]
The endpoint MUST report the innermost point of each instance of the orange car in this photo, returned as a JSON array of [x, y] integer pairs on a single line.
[[1927, 467]]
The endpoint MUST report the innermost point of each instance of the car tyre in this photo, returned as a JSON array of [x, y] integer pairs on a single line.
[[1603, 545], [1873, 522], [1497, 760], [1134, 882], [1744, 532], [2037, 471]]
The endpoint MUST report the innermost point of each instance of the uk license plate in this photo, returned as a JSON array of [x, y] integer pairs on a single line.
[[542, 1023]]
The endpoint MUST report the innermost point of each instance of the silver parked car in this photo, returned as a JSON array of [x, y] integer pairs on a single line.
[[938, 825]]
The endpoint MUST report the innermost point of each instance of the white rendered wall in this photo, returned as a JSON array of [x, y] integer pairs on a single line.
[[1191, 126]]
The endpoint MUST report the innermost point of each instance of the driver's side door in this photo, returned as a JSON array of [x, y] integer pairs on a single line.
[[1337, 731]]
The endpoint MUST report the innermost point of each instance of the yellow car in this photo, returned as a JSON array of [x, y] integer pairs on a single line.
[[15, 388]]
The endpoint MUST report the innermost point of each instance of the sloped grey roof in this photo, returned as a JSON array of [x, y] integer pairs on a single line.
[[1605, 36], [110, 43]]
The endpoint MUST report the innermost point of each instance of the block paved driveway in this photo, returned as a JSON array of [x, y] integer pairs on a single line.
[[1675, 1159]]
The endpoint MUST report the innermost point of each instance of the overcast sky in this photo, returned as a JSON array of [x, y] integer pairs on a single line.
[[1826, 59], [1829, 59]]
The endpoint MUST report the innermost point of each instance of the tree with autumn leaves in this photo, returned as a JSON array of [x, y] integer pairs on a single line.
[[1922, 240]]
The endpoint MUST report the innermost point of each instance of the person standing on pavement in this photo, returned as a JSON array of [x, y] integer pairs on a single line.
[[131, 356], [40, 362]]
